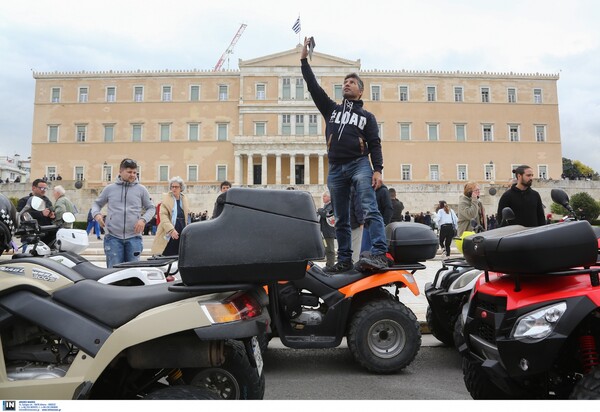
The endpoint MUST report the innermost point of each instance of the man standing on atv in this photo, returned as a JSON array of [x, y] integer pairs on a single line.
[[525, 202], [352, 135]]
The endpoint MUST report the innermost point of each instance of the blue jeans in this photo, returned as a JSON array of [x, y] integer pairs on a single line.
[[122, 250], [341, 178]]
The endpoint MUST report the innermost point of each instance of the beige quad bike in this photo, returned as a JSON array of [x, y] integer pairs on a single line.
[[63, 336]]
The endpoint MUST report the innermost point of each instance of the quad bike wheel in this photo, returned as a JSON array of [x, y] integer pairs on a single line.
[[384, 336], [459, 338], [183, 392], [236, 378], [437, 330], [478, 383], [588, 387]]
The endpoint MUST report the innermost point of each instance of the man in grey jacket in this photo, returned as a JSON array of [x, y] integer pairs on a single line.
[[129, 207]]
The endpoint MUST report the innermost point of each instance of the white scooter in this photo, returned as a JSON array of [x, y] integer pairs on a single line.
[[70, 243]]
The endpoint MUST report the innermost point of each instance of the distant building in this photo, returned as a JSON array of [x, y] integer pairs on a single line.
[[258, 125], [14, 169]]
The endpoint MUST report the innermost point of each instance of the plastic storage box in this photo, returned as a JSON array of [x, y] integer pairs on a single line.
[[262, 235], [411, 242], [536, 250]]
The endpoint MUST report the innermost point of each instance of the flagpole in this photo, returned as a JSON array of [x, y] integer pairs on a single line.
[[299, 33]]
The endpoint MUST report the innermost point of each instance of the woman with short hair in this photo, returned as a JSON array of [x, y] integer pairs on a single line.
[[174, 216]]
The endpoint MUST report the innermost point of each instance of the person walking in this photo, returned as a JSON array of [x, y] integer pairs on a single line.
[[62, 204], [469, 209], [525, 202], [447, 222], [352, 136], [174, 216], [129, 208], [327, 222], [93, 224]]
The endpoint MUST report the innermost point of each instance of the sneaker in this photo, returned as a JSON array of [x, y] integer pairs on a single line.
[[340, 267], [374, 262]]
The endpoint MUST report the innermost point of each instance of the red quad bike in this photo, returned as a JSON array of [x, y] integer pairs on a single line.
[[532, 324], [320, 309]]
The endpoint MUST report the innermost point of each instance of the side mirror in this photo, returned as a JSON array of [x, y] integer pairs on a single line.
[[508, 214], [37, 203], [562, 198], [68, 217]]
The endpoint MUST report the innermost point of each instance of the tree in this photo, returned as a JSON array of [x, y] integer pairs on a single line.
[[574, 169], [584, 205]]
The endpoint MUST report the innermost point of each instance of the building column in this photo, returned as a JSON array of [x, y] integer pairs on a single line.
[[306, 169], [250, 173], [278, 168], [292, 169], [238, 170], [263, 177], [321, 170]]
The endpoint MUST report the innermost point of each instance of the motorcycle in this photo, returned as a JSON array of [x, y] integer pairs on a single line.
[[532, 323], [67, 337], [382, 333]]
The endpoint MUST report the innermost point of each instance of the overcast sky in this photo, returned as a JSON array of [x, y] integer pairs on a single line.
[[545, 36]]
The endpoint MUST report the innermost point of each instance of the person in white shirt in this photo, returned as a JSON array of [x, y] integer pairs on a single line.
[[447, 222]]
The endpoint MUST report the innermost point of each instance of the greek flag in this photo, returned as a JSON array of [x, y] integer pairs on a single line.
[[296, 26]]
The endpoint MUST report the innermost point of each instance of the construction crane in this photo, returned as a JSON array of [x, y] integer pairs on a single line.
[[229, 50]]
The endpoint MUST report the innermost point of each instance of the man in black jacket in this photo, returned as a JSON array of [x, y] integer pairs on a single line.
[[327, 221], [525, 202], [44, 217], [352, 136]]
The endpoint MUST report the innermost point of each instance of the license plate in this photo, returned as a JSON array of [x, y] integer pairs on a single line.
[[257, 355]]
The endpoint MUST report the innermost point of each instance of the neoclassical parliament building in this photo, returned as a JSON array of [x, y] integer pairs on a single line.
[[259, 126]]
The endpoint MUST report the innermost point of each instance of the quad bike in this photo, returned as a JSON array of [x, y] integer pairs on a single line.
[[67, 337], [532, 324], [382, 333]]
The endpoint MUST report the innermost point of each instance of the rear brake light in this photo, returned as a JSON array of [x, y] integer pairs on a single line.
[[241, 307]]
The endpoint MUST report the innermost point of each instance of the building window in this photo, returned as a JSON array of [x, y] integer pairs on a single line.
[[434, 172], [543, 172], [106, 173], [55, 95], [286, 124], [194, 93], [136, 132], [540, 133], [221, 173], [403, 93], [166, 94], [460, 130], [165, 132], [380, 129], [109, 132], [513, 132], [299, 125], [192, 173], [299, 88], [375, 93], [432, 131], [485, 95], [193, 132], [487, 131], [461, 172], [406, 172], [338, 92], [163, 173], [458, 93], [404, 131], [79, 173], [431, 94], [83, 94], [111, 94], [261, 93], [286, 89], [81, 132], [223, 92], [489, 172], [51, 172], [313, 125], [222, 129], [537, 96], [260, 129], [512, 95], [52, 133], [138, 93]]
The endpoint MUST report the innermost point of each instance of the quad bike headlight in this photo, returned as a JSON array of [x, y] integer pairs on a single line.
[[466, 281], [240, 307], [539, 323]]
